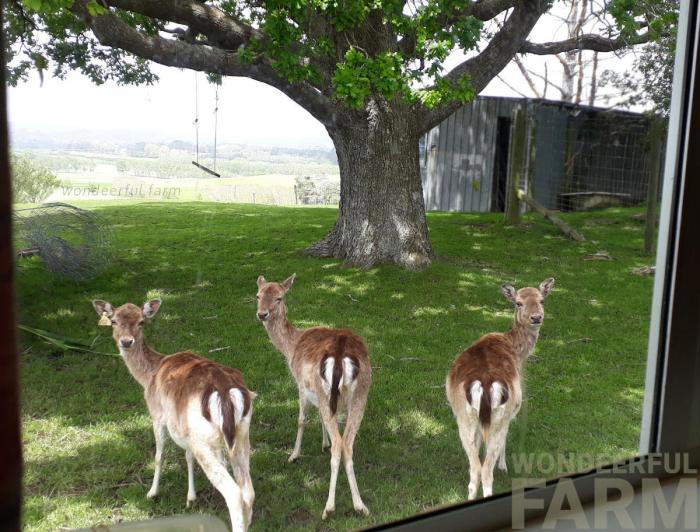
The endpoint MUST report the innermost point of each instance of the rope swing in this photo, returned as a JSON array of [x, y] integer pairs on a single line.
[[196, 129]]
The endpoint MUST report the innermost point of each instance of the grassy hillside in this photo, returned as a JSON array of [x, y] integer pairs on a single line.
[[88, 441]]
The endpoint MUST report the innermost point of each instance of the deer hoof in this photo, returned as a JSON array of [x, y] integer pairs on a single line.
[[362, 509], [151, 493], [292, 457], [327, 512], [190, 500]]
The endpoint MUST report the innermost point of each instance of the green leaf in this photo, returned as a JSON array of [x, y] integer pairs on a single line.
[[96, 9]]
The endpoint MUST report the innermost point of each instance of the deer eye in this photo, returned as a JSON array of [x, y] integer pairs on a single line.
[[541, 301], [278, 299], [114, 322], [518, 303], [257, 297], [141, 323]]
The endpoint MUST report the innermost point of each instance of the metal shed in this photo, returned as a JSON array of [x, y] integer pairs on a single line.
[[572, 152]]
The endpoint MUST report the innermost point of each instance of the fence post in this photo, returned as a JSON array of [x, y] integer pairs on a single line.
[[516, 167], [656, 128]]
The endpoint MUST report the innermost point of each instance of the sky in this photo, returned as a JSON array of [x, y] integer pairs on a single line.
[[249, 112]]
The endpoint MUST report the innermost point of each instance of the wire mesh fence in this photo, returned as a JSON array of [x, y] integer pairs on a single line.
[[567, 157], [585, 158]]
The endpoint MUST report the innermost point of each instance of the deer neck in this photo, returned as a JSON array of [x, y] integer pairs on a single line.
[[283, 335], [142, 362], [523, 339]]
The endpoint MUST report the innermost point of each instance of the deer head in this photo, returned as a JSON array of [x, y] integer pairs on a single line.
[[127, 321], [270, 296], [529, 302]]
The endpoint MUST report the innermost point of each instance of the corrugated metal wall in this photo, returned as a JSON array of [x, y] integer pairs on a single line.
[[458, 162], [550, 141], [605, 152]]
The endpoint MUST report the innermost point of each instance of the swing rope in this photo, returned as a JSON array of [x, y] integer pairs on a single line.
[[196, 129]]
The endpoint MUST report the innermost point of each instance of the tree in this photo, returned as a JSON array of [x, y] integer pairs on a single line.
[[31, 183], [370, 71], [578, 68], [650, 80], [577, 76]]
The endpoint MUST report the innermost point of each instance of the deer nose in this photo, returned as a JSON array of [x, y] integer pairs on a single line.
[[536, 318], [126, 342], [262, 316]]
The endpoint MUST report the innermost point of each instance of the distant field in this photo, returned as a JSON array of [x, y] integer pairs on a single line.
[[171, 176], [266, 189], [165, 163]]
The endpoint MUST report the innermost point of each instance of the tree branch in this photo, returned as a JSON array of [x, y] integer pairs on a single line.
[[527, 77], [484, 67], [595, 43], [482, 10], [216, 25], [113, 32]]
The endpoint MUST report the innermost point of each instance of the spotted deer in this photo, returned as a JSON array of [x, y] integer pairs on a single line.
[[204, 406], [332, 371], [484, 385]]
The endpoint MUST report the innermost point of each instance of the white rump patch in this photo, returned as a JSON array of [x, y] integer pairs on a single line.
[[329, 365], [238, 404], [348, 370], [497, 393], [475, 391], [215, 409]]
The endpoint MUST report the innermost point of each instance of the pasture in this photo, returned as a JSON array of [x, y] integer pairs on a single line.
[[88, 441]]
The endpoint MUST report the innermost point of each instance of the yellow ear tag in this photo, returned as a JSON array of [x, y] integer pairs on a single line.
[[104, 320]]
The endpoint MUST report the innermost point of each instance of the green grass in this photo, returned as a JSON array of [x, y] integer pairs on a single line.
[[87, 436]]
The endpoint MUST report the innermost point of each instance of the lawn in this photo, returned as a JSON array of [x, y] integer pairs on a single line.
[[87, 436]]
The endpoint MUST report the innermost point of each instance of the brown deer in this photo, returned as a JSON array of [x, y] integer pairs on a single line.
[[484, 384], [332, 370], [204, 406]]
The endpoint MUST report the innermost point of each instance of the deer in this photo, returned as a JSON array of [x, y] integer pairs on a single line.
[[484, 385], [332, 371], [205, 407]]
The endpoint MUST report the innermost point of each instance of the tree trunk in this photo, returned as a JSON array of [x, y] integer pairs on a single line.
[[381, 218]]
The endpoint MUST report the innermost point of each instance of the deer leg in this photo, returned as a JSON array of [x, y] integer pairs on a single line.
[[494, 450], [336, 453], [159, 431], [240, 463], [326, 443], [191, 492], [352, 425], [502, 459], [303, 406], [215, 469], [468, 424]]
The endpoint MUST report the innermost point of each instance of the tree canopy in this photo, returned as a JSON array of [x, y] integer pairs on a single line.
[[650, 80], [313, 50]]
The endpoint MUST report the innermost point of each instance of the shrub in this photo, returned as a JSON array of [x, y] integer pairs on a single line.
[[31, 183]]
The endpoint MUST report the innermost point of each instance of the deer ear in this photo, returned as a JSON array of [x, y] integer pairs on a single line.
[[151, 308], [509, 292], [546, 286], [289, 281], [103, 307], [261, 281]]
